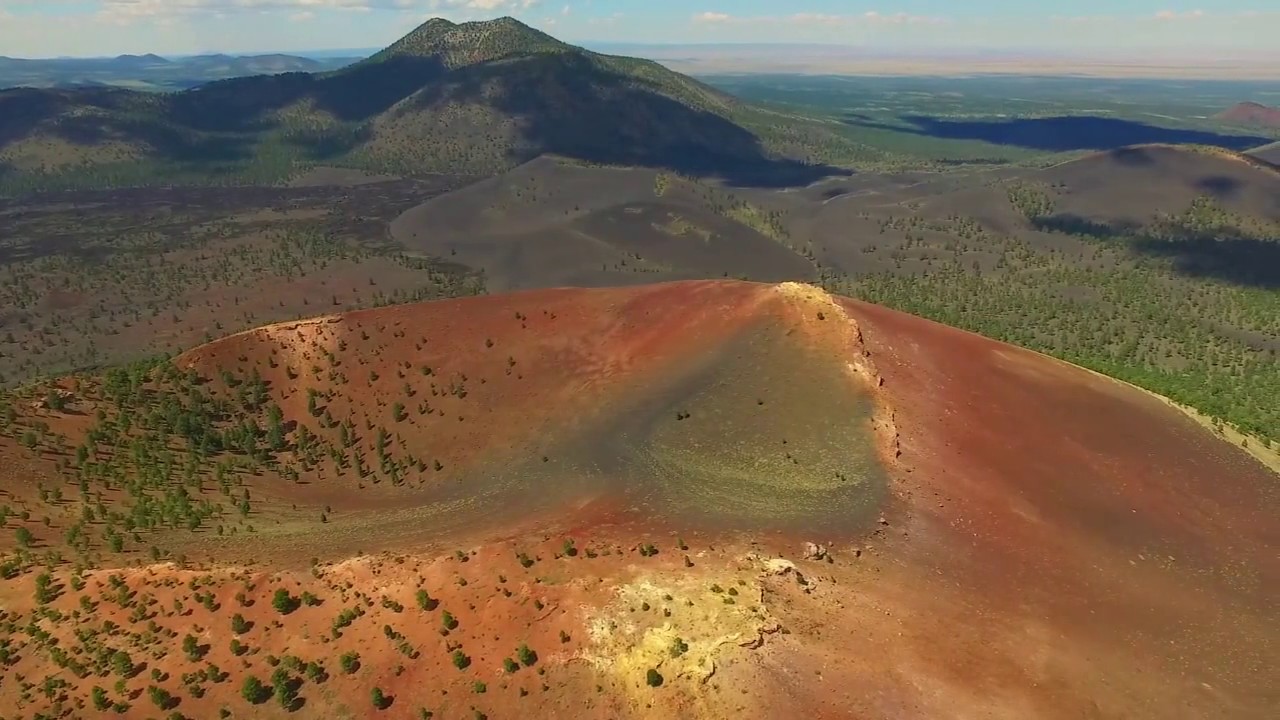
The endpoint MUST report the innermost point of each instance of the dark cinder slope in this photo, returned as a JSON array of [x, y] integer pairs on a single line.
[[1269, 153], [1131, 185], [549, 223]]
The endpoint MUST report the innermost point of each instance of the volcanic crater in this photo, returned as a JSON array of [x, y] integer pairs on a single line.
[[691, 499]]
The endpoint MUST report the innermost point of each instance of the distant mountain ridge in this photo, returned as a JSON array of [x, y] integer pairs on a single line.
[[473, 98], [152, 71]]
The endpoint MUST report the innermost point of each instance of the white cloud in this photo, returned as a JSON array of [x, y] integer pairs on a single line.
[[608, 22], [820, 19], [144, 8], [900, 18], [123, 12], [813, 18], [1175, 15], [712, 17]]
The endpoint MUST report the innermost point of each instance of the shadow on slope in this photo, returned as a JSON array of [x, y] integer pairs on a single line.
[[23, 109], [354, 94], [1233, 258], [92, 116], [567, 105], [1217, 253], [1062, 133]]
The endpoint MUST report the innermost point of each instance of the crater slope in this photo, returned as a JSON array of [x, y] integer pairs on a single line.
[[738, 405], [622, 482]]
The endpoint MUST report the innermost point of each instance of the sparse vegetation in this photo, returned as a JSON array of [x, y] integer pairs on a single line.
[[150, 485]]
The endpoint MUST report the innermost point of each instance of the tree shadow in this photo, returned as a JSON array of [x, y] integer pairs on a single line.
[[1061, 133], [1222, 253]]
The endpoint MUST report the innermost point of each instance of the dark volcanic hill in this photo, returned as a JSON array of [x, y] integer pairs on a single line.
[[1130, 185], [1269, 153], [135, 61], [474, 98], [1251, 113]]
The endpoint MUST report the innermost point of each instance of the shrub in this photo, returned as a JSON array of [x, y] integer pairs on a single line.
[[510, 665], [45, 590], [286, 688], [350, 662], [191, 646], [460, 660], [253, 691], [283, 602], [527, 656], [380, 700], [122, 664], [653, 678], [160, 697]]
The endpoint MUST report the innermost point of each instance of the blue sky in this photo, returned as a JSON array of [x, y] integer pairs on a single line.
[[107, 27]]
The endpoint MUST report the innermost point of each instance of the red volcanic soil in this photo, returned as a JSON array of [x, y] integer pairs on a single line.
[[1046, 543], [1251, 113], [1081, 532]]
